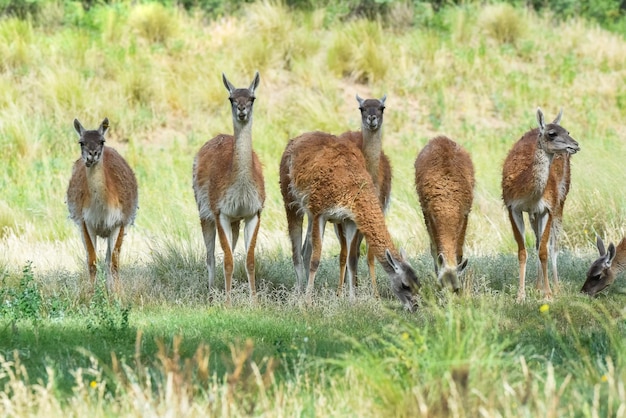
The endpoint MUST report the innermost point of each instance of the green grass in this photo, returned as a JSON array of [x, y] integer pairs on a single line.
[[165, 346]]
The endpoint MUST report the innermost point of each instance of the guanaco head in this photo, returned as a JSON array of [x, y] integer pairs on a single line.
[[553, 138], [241, 100], [404, 281], [448, 275], [600, 274], [371, 112], [91, 142]]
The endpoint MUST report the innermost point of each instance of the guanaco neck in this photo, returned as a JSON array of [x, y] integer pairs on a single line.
[[371, 223], [242, 150], [372, 148], [541, 170]]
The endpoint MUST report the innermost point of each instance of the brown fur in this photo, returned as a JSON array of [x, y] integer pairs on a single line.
[[606, 268], [536, 179], [325, 177], [444, 181], [229, 187], [108, 219], [383, 188]]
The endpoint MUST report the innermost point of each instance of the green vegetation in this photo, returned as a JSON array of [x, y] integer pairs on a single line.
[[474, 72]]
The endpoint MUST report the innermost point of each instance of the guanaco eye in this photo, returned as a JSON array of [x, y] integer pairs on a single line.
[[552, 134]]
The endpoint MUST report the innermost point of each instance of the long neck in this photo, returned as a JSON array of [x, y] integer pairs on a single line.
[[372, 148], [371, 223], [619, 262], [242, 152], [541, 170]]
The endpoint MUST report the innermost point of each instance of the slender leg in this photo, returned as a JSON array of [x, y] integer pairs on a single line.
[[111, 241], [371, 258], [554, 252], [90, 246], [316, 241], [350, 233], [225, 234], [115, 260], [343, 256], [517, 224], [250, 233], [307, 246], [234, 227], [208, 232], [294, 226], [546, 224]]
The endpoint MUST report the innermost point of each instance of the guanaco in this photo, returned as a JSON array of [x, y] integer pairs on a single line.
[[102, 198], [229, 188]]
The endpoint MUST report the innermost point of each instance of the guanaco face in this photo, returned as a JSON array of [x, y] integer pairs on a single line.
[[241, 100], [603, 271], [372, 112], [91, 142], [553, 138]]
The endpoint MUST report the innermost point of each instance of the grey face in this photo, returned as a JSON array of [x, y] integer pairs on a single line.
[[600, 275], [241, 100], [555, 139], [371, 112], [404, 282], [91, 142]]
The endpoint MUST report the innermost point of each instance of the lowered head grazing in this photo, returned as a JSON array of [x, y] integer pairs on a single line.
[[604, 270]]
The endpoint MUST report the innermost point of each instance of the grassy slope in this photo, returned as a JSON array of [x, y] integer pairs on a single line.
[[156, 75]]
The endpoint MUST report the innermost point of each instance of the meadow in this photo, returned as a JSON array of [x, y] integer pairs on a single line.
[[476, 73]]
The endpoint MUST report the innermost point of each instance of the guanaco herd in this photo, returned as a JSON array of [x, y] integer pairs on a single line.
[[345, 180]]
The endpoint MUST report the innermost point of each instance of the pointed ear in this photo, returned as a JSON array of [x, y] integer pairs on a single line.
[[78, 127], [255, 83], [358, 99], [558, 117], [600, 245], [461, 267], [610, 255], [395, 265], [441, 261], [382, 100], [541, 121], [104, 126], [403, 254], [227, 84]]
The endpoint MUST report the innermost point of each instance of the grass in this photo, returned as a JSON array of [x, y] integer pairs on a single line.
[[164, 346]]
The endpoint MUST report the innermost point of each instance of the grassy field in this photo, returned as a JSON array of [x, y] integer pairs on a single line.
[[476, 74]]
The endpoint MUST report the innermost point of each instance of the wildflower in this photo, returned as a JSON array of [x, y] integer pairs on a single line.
[[93, 384], [544, 308], [604, 378], [405, 335]]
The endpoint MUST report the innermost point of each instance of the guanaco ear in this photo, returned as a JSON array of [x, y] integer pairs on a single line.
[[441, 261], [600, 245], [382, 100], [395, 264], [558, 117], [541, 121], [78, 127], [461, 267], [358, 99], [255, 83], [227, 84], [104, 126], [610, 255]]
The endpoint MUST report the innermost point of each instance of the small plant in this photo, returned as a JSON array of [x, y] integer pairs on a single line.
[[107, 314], [24, 302]]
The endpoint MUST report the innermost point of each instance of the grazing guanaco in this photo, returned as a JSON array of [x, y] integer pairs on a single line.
[[324, 177], [606, 268], [444, 181], [229, 188], [536, 180], [102, 199], [369, 139]]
